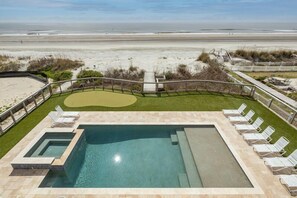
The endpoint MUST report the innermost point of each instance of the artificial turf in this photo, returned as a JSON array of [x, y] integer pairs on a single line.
[[99, 98], [172, 102]]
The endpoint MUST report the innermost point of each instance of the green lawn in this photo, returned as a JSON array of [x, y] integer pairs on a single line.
[[173, 102]]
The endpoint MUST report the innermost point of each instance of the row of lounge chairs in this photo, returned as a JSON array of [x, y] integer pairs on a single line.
[[271, 153], [63, 118]]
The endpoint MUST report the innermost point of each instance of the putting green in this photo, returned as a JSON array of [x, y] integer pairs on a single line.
[[99, 98]]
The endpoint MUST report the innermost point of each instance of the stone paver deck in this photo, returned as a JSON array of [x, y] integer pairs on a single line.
[[24, 183]]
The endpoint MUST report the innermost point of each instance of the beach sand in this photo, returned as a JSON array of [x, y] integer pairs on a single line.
[[152, 52]]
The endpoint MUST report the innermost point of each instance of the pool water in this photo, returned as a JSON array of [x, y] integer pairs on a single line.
[[54, 148], [154, 156], [123, 156]]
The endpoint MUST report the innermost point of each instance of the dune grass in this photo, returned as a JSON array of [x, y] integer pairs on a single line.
[[173, 102]]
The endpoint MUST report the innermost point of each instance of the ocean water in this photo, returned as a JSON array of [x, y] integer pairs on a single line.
[[147, 27]]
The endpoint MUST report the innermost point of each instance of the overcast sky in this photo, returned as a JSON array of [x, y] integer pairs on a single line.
[[148, 10]]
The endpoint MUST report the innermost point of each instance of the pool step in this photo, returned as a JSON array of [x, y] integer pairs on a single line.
[[183, 180], [174, 139], [191, 169]]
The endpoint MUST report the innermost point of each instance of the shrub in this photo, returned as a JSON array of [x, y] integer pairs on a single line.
[[54, 64], [24, 58], [261, 78], [4, 58], [212, 72], [204, 57], [10, 66], [133, 73], [183, 72], [170, 75], [272, 56], [63, 75], [89, 73]]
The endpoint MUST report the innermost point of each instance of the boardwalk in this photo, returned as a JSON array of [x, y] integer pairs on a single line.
[[149, 77], [273, 92]]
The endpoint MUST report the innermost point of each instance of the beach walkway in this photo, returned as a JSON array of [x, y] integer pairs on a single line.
[[149, 77], [273, 92]]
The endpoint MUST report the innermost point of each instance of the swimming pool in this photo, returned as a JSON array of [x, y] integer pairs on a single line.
[[141, 156]]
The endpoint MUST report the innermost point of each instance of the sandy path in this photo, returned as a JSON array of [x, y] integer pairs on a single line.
[[13, 90]]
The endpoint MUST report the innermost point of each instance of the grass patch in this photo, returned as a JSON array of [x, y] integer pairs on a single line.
[[257, 75], [173, 102], [99, 98]]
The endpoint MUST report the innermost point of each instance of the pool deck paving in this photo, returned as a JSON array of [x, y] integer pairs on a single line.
[[24, 183]]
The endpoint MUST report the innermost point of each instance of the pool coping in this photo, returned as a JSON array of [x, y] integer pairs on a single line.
[[59, 163], [20, 161]]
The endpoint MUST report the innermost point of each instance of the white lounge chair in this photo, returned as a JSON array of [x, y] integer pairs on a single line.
[[246, 118], [238, 111], [290, 182], [259, 138], [282, 165], [60, 120], [271, 150], [244, 128], [62, 113]]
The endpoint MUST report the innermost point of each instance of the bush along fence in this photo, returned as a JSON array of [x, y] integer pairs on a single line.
[[13, 115]]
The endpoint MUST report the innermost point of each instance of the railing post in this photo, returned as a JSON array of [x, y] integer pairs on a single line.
[[241, 88], [71, 86], [34, 100], [43, 97], [60, 88], [253, 89], [157, 87], [50, 89], [186, 85], [25, 108], [94, 87], [293, 118], [230, 89], [112, 82], [122, 86], [270, 103], [142, 86], [103, 84], [12, 116]]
